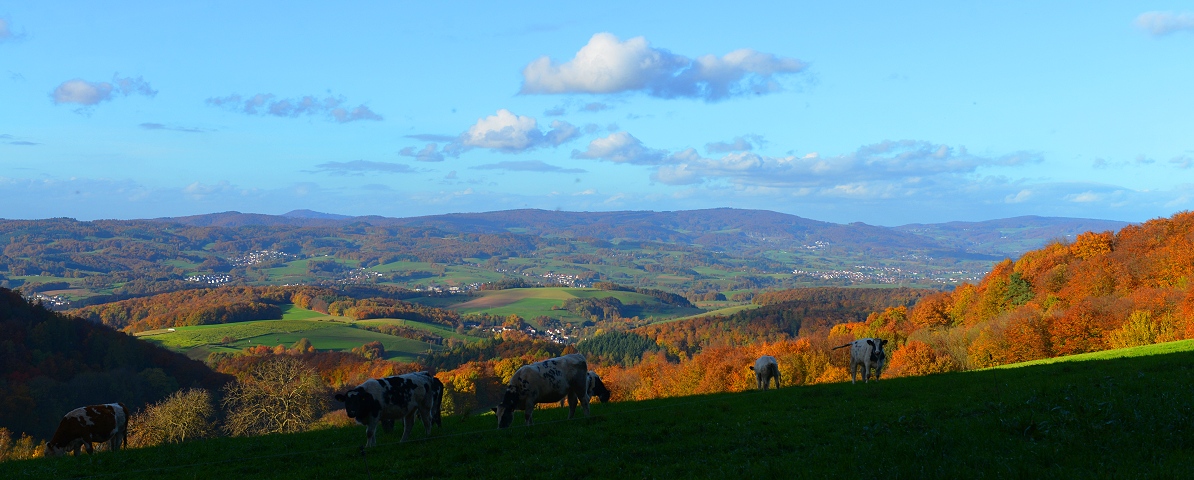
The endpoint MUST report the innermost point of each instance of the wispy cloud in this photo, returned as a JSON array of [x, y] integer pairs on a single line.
[[527, 166], [330, 107], [362, 167], [11, 140], [887, 161], [743, 143], [621, 147], [427, 154], [6, 33], [609, 65], [1159, 24], [85, 93], [172, 128], [430, 137]]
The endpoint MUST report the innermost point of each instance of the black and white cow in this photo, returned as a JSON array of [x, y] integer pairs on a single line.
[[765, 368], [596, 389], [868, 353], [548, 381], [86, 425], [383, 400]]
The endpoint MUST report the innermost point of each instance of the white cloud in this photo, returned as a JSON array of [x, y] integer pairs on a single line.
[[330, 107], [86, 93], [1159, 24], [621, 147], [1084, 197], [1019, 197], [609, 65], [511, 133]]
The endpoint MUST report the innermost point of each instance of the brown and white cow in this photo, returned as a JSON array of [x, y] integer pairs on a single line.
[[383, 400], [595, 387], [548, 381], [86, 425], [765, 368], [867, 353]]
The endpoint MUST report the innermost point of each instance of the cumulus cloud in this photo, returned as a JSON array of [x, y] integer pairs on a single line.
[[609, 65], [1183, 162], [595, 107], [82, 92], [527, 166], [361, 167], [620, 147], [507, 132], [330, 107], [172, 128], [427, 154], [1159, 24]]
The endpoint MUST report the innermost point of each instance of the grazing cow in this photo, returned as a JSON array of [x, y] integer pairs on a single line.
[[595, 388], [548, 381], [868, 353], [766, 368], [86, 425], [383, 400]]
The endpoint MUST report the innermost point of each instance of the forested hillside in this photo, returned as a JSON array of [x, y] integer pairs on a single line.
[[51, 363]]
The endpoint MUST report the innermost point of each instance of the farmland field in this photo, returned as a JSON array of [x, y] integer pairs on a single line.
[[529, 303], [1126, 416], [324, 331]]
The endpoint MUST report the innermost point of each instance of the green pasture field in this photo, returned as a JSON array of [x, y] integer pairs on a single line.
[[727, 311], [1125, 417], [440, 330], [324, 332]]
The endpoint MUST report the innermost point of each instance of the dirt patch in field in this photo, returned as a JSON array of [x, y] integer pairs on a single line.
[[491, 301]]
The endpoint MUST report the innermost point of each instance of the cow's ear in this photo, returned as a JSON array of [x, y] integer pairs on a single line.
[[870, 342], [340, 397], [882, 342], [494, 409], [752, 367]]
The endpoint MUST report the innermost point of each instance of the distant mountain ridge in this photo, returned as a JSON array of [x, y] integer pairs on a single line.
[[711, 228]]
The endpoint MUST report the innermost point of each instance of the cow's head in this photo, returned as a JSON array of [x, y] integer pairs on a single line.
[[505, 410], [600, 391], [53, 450], [359, 404], [877, 354]]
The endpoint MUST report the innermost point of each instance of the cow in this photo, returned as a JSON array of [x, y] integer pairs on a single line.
[[868, 353], [595, 387], [383, 400], [765, 368], [548, 381], [86, 425]]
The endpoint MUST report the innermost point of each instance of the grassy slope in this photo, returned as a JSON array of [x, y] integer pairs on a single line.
[[1122, 417]]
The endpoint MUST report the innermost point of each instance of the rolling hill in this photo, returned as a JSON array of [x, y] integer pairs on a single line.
[[1122, 417]]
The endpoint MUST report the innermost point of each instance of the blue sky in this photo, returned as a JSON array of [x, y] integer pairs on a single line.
[[886, 114]]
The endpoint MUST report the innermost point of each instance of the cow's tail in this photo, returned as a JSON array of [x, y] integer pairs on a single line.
[[842, 346], [439, 402]]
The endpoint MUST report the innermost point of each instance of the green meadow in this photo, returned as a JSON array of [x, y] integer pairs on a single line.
[[529, 303], [1128, 414], [325, 332]]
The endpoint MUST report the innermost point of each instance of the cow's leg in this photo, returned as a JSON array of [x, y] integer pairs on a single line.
[[371, 433], [530, 408], [866, 373], [777, 380], [571, 405], [89, 448], [585, 399], [425, 417], [408, 424], [853, 372]]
